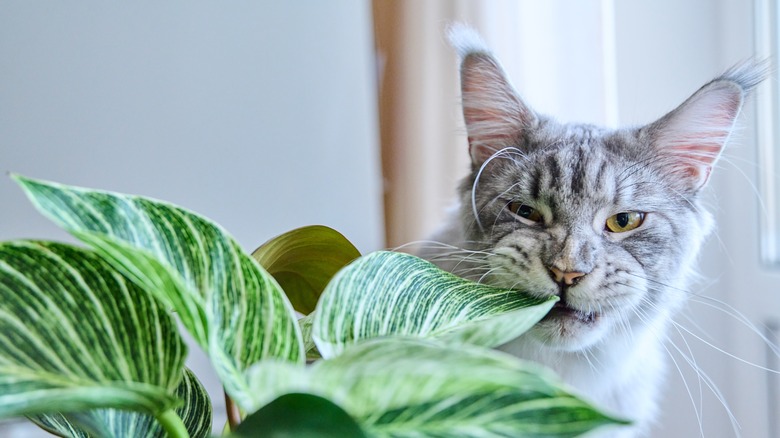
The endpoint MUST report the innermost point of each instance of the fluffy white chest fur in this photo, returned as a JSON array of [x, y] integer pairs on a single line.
[[624, 375]]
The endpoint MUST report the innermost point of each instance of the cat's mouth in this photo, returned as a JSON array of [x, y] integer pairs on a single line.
[[561, 310]]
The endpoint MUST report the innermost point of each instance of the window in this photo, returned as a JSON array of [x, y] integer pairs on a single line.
[[768, 46]]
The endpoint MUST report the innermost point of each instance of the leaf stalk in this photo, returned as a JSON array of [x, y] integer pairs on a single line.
[[171, 422], [233, 414]]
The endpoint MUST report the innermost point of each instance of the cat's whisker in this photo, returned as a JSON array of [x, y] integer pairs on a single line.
[[698, 209], [697, 409], [502, 194], [723, 307], [621, 317], [587, 356], [486, 274], [420, 244], [469, 272], [450, 250], [696, 367], [729, 311], [701, 375], [733, 356], [691, 322], [756, 192], [710, 383], [666, 286], [461, 254], [739, 317], [498, 154], [437, 245]]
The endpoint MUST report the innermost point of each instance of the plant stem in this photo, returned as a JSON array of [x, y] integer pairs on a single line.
[[233, 415], [172, 424]]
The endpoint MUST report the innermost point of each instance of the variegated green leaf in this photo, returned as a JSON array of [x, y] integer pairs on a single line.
[[195, 413], [233, 308], [76, 334], [299, 416], [308, 342], [304, 260], [401, 387], [390, 293]]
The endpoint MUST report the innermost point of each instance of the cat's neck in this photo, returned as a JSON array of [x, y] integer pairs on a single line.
[[623, 375]]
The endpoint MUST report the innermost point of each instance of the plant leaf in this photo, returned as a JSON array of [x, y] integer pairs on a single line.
[[195, 413], [410, 387], [305, 324], [390, 293], [75, 333], [233, 308], [299, 416], [304, 260]]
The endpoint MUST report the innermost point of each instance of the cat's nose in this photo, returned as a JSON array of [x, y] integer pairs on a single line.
[[567, 278]]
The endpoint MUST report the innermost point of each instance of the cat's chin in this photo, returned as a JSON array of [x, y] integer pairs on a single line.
[[562, 312], [568, 329]]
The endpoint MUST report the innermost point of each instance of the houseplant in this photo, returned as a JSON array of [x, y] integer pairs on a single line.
[[89, 344]]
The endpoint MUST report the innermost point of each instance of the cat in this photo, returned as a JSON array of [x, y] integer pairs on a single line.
[[609, 220]]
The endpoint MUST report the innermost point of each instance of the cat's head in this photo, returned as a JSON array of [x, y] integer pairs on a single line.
[[608, 220]]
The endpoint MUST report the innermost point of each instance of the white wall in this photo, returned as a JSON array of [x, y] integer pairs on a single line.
[[258, 114]]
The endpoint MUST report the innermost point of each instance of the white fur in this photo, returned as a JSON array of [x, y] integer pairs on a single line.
[[466, 40]]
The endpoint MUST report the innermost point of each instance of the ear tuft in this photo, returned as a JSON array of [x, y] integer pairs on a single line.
[[747, 74], [465, 40]]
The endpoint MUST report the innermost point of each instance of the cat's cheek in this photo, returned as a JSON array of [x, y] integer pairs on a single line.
[[619, 237], [516, 267]]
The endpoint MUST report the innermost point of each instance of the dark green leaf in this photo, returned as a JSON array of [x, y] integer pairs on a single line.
[[299, 416]]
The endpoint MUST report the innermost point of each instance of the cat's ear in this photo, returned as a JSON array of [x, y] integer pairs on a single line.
[[689, 140], [494, 113]]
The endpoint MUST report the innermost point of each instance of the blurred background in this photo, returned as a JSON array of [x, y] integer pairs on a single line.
[[268, 115]]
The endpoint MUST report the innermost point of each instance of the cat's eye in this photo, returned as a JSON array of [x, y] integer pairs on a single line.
[[525, 211], [625, 221]]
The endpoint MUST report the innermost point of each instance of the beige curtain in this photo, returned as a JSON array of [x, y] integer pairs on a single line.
[[546, 47], [423, 153]]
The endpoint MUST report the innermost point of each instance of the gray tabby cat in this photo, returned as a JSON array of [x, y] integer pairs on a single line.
[[608, 220]]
